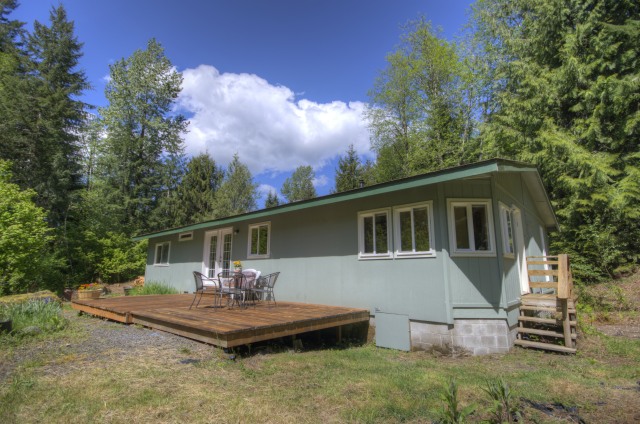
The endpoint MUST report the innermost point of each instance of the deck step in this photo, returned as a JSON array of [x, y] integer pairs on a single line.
[[544, 332], [544, 308], [552, 321], [545, 346]]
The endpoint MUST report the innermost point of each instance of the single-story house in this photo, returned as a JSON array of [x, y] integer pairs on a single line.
[[438, 258]]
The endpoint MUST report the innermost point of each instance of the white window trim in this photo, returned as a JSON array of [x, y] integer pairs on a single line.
[[397, 233], [369, 256], [451, 203], [504, 229], [258, 225], [155, 253]]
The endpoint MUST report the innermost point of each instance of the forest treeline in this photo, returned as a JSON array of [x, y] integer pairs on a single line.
[[553, 83]]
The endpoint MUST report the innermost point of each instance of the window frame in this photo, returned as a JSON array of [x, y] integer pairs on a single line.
[[506, 221], [257, 226], [156, 260], [397, 233], [373, 213], [471, 251]]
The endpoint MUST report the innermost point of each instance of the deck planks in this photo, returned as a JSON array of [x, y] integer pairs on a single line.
[[225, 327]]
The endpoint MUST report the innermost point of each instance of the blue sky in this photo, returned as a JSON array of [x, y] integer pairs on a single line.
[[281, 82]]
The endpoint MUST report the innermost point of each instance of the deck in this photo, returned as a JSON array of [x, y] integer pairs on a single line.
[[222, 327]]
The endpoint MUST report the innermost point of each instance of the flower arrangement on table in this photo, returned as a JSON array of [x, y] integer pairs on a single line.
[[237, 265], [91, 286]]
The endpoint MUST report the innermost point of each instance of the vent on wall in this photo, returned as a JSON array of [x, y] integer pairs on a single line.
[[185, 236]]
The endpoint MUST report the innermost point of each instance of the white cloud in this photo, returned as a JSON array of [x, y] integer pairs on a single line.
[[320, 181], [265, 124], [265, 189]]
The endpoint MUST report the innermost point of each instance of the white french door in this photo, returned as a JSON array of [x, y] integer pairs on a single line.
[[217, 251]]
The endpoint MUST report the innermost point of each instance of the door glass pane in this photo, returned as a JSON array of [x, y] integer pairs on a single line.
[[226, 251], [263, 240], [421, 228], [368, 234], [381, 245], [254, 241], [406, 236], [510, 248], [213, 253], [480, 232], [462, 230]]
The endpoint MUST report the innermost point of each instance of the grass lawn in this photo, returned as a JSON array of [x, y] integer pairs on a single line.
[[53, 383]]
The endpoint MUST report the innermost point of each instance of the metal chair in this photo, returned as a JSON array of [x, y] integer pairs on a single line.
[[234, 286], [201, 288], [264, 287]]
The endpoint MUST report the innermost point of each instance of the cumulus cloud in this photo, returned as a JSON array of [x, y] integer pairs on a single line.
[[320, 181], [264, 123]]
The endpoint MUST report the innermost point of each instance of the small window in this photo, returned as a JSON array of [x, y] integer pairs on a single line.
[[506, 220], [162, 253], [185, 236], [259, 240], [471, 228], [373, 234], [413, 230]]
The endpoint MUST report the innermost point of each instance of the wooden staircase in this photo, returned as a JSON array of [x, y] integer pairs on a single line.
[[548, 314]]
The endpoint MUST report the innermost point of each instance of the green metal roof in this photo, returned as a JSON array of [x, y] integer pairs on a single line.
[[459, 172]]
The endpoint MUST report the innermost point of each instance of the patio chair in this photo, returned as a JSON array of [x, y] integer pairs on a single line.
[[263, 289], [252, 277], [204, 284], [233, 285]]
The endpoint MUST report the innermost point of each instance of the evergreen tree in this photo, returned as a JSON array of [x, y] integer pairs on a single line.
[[272, 200], [142, 132], [197, 191], [238, 192], [568, 101], [351, 173], [299, 186]]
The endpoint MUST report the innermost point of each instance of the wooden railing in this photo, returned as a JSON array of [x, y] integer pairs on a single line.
[[555, 271]]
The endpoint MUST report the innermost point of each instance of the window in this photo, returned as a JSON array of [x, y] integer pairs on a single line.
[[259, 240], [506, 220], [471, 228], [373, 234], [413, 230], [162, 253]]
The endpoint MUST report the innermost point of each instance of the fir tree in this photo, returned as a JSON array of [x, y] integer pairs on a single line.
[[299, 186], [237, 193], [272, 200]]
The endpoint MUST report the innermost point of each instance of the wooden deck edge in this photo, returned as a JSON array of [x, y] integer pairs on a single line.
[[180, 330], [92, 310]]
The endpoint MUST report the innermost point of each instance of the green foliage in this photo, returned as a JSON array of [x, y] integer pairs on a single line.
[[142, 133], [299, 186], [565, 87], [25, 259], [272, 200], [153, 288], [46, 315], [238, 192], [450, 412], [197, 190], [504, 407], [120, 259], [351, 172], [421, 109]]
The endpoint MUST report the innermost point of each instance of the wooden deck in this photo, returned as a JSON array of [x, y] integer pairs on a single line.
[[222, 327]]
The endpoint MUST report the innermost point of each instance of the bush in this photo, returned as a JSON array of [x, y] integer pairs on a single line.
[[153, 288], [43, 314]]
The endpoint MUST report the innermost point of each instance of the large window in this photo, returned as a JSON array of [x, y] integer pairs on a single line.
[[373, 234], [471, 228], [259, 240], [413, 230], [506, 221], [162, 253]]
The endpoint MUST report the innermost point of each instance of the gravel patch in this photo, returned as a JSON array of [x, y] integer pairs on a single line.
[[92, 339]]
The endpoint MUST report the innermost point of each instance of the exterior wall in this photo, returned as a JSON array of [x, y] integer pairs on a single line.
[[468, 302]]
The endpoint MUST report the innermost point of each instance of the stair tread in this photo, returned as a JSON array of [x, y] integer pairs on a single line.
[[544, 320], [544, 332], [544, 308], [546, 346]]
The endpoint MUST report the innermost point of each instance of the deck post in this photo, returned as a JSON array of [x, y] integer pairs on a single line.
[[564, 286]]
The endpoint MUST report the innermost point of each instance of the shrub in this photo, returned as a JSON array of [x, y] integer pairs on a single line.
[[44, 314], [153, 288]]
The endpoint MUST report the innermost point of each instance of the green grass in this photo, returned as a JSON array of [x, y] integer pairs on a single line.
[[153, 288], [45, 315]]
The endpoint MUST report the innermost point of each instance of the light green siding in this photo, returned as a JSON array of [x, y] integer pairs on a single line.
[[316, 250]]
